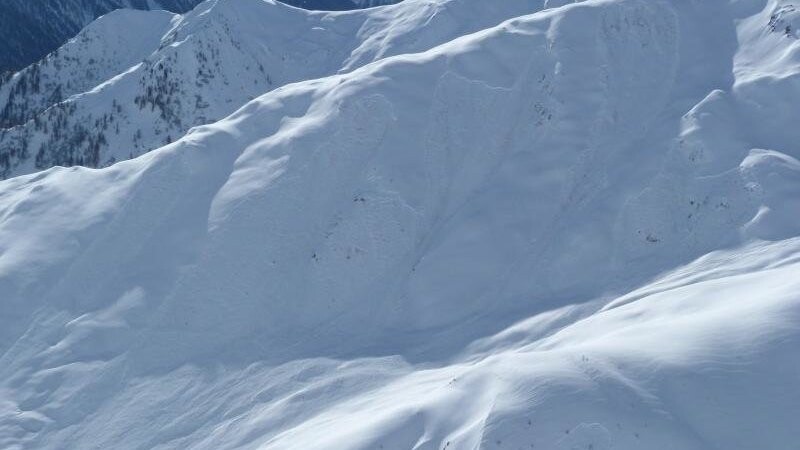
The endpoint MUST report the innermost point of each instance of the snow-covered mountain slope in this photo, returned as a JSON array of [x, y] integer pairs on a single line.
[[573, 229], [212, 61], [32, 29], [107, 47], [681, 367]]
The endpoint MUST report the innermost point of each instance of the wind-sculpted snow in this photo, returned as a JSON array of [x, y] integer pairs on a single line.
[[558, 232]]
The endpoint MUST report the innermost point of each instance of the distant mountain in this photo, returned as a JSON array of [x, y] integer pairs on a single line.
[[371, 3], [338, 5], [117, 91], [32, 29], [323, 5]]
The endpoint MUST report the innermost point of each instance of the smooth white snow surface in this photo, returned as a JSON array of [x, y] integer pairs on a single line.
[[577, 229]]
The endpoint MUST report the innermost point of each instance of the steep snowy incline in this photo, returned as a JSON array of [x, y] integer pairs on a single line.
[[220, 56], [561, 231], [682, 367], [378, 201], [679, 369]]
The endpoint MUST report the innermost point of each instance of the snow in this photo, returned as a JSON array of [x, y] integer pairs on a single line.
[[31, 30], [108, 46], [555, 231], [208, 64]]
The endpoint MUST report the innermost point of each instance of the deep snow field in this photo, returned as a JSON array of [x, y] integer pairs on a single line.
[[488, 225]]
